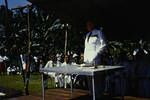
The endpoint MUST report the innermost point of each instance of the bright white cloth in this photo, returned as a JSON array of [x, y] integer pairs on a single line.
[[2, 94], [67, 78], [35, 59], [3, 58], [49, 64], [74, 55], [137, 50], [94, 44], [11, 69], [23, 61], [58, 78]]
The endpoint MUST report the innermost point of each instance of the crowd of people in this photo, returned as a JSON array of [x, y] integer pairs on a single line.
[[14, 60]]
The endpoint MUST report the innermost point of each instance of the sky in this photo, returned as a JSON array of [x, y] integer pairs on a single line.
[[14, 3]]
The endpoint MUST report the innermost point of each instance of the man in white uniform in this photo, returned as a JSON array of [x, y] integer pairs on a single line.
[[94, 46]]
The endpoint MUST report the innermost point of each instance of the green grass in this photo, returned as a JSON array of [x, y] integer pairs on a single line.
[[16, 82]]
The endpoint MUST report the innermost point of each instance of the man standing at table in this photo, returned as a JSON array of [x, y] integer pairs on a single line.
[[94, 46]]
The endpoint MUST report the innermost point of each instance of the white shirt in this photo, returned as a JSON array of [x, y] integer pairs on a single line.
[[3, 58], [23, 61], [94, 44]]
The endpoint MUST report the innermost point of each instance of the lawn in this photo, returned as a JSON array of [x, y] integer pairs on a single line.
[[16, 82]]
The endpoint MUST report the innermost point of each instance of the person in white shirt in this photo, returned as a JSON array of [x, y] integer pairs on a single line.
[[58, 78], [94, 46], [141, 69], [2, 63]]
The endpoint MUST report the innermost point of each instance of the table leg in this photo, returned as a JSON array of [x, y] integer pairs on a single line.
[[71, 85], [93, 84], [43, 91]]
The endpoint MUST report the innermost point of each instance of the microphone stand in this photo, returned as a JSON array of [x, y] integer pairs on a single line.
[[66, 40]]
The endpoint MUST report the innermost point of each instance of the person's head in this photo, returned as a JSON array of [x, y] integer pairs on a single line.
[[90, 25]]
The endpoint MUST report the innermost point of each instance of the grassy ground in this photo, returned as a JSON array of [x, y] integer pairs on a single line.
[[16, 82]]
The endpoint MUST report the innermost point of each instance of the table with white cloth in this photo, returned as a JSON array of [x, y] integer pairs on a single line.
[[76, 69]]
